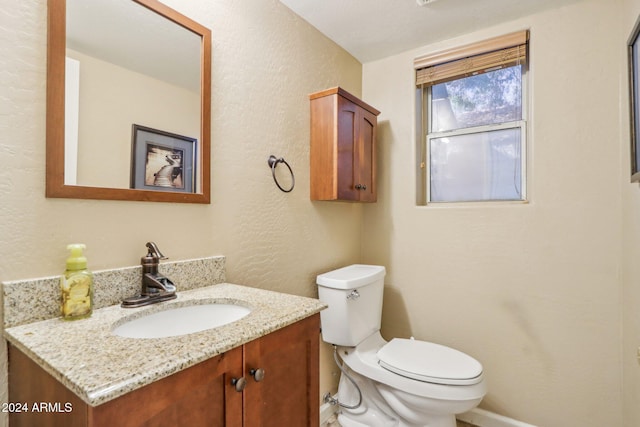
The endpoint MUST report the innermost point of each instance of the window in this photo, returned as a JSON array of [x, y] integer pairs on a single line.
[[471, 122]]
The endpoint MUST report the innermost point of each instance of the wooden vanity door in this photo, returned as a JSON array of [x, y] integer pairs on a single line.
[[201, 395], [198, 396], [288, 394], [30, 384]]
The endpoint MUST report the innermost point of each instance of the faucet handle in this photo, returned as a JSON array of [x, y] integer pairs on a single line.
[[154, 251]]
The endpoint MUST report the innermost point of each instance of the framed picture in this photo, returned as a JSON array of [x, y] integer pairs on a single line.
[[634, 96], [162, 161]]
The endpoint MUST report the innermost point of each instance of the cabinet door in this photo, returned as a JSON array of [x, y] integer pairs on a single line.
[[366, 155], [347, 149], [31, 385], [356, 152], [198, 396], [288, 394]]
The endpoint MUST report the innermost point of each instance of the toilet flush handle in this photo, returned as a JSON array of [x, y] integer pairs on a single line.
[[354, 294]]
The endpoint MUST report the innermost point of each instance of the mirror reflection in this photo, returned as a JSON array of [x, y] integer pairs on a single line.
[[127, 65]]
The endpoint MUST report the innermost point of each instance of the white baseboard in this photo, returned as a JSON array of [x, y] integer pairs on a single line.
[[482, 418]]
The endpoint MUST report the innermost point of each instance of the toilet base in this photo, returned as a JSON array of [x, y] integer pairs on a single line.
[[372, 412], [375, 410]]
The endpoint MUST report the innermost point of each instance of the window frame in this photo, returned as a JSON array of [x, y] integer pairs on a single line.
[[423, 117]]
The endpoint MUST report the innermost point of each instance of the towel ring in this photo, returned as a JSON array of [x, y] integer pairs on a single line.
[[273, 162]]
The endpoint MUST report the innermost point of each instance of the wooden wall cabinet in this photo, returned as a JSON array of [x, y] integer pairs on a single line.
[[343, 147], [280, 370]]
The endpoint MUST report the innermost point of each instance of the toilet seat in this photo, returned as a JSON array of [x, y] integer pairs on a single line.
[[364, 360], [429, 362]]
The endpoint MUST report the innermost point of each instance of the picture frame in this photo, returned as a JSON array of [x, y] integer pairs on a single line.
[[633, 49], [162, 161]]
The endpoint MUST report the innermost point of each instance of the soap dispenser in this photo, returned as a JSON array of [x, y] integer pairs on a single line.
[[76, 285]]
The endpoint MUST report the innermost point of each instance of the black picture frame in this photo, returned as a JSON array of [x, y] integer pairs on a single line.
[[633, 49], [162, 161]]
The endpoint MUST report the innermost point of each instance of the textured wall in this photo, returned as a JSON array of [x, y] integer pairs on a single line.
[[631, 245], [531, 290], [265, 62]]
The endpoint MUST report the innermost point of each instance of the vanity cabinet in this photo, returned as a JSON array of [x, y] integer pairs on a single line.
[[343, 147], [280, 372]]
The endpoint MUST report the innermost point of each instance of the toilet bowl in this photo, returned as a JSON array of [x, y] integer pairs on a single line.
[[400, 383], [410, 401]]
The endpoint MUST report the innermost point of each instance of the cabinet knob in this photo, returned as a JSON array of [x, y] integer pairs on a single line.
[[257, 374], [239, 383], [364, 187], [358, 186]]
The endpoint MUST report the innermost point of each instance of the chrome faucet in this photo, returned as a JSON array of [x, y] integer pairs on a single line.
[[155, 286]]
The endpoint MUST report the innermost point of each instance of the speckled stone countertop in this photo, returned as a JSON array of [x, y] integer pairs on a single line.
[[98, 366]]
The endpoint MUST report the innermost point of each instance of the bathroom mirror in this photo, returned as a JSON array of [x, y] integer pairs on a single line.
[[115, 67]]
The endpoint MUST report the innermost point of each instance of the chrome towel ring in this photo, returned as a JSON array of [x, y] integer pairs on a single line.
[[273, 162]]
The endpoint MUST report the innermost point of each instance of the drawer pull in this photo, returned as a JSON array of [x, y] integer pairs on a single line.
[[239, 383], [257, 374]]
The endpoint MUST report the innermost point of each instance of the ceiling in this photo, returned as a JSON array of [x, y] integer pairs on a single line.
[[375, 29]]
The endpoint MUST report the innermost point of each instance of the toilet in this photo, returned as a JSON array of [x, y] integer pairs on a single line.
[[400, 383]]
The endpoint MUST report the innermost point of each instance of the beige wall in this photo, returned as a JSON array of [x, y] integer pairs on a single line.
[[531, 290], [265, 62], [630, 252]]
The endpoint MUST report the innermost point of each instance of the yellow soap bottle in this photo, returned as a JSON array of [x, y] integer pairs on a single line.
[[76, 285]]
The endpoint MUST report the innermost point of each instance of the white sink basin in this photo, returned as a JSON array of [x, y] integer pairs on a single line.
[[181, 320]]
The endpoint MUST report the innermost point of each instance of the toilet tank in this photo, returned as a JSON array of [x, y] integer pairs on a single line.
[[354, 296]]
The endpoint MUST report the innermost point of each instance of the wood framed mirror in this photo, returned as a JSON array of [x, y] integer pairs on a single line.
[[127, 72]]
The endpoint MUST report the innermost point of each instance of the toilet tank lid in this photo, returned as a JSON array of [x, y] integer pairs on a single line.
[[352, 276]]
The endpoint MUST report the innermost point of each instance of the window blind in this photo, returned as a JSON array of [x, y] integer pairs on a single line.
[[488, 55]]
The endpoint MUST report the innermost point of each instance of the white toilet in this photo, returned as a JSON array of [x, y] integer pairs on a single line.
[[400, 383]]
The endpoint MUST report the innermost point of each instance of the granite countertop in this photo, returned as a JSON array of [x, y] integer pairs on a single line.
[[98, 366]]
